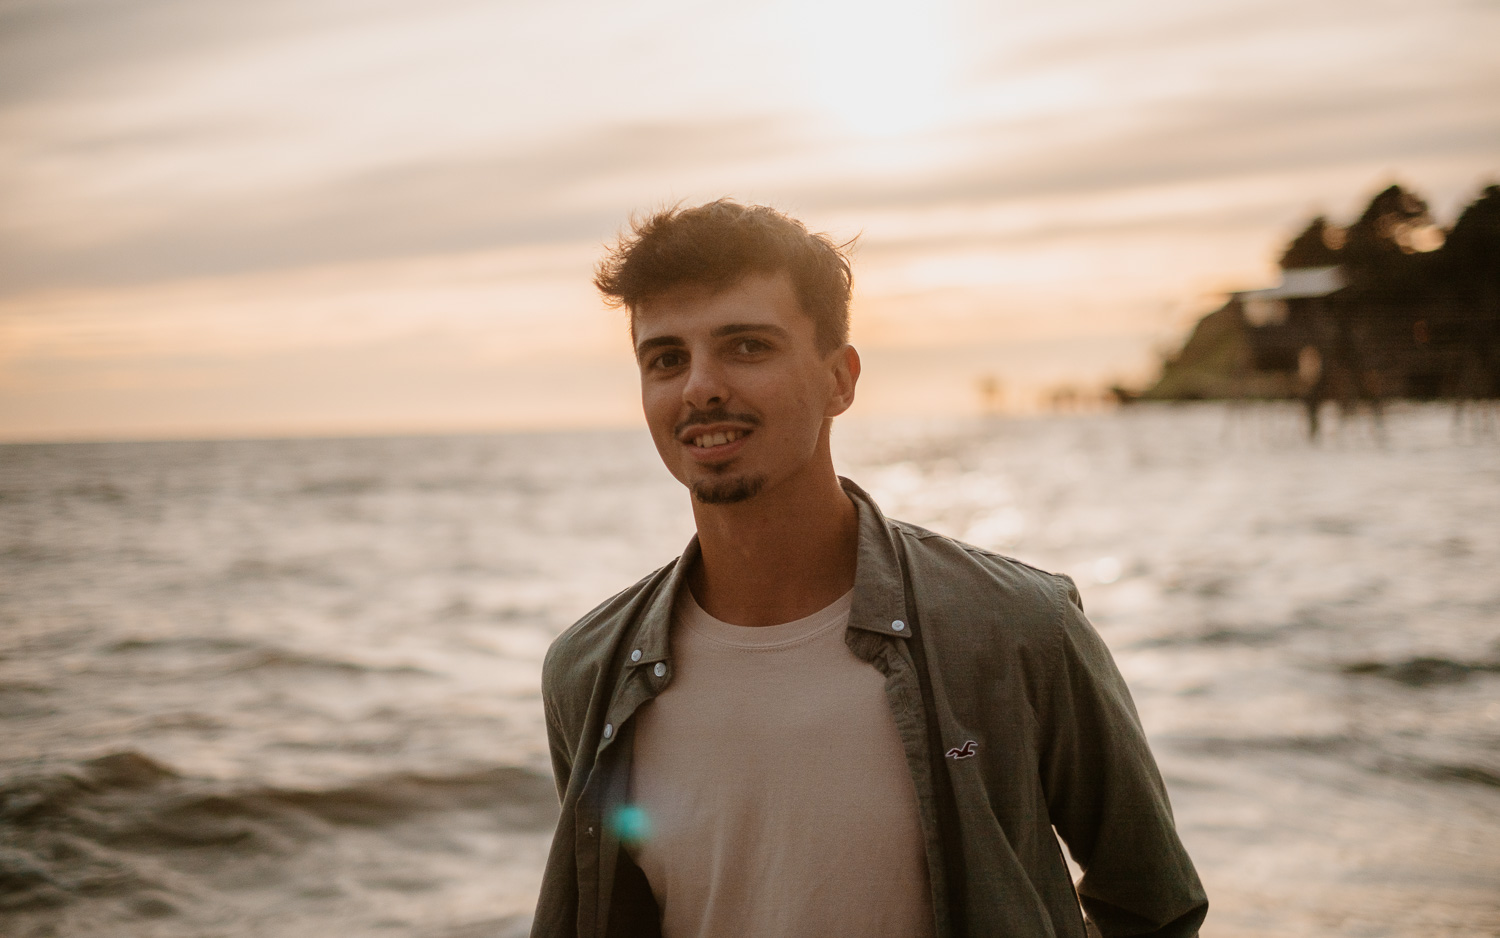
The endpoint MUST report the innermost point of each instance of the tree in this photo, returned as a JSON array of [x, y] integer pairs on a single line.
[[1317, 246], [1471, 255], [1466, 280]]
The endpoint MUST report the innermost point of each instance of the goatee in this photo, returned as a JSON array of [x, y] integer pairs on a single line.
[[728, 491]]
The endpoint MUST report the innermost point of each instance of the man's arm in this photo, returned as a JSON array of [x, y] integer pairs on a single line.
[[562, 759], [1106, 797], [558, 744]]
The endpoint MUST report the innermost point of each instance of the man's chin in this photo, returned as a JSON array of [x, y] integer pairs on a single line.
[[728, 491]]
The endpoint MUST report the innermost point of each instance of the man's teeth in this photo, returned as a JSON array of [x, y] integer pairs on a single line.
[[718, 439]]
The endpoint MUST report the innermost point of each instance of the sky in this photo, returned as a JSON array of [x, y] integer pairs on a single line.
[[267, 217]]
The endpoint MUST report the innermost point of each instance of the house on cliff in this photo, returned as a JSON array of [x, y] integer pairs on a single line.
[[1390, 307], [1259, 344]]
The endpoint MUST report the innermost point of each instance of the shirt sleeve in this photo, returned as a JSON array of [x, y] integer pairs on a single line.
[[557, 742], [1105, 795]]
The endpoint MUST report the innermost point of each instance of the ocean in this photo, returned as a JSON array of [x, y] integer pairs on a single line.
[[290, 687]]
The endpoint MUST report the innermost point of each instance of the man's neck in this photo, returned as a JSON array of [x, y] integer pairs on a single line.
[[780, 556]]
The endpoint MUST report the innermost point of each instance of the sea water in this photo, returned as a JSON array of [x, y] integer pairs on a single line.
[[290, 687]]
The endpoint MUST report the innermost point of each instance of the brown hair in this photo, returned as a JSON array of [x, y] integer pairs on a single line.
[[716, 245]]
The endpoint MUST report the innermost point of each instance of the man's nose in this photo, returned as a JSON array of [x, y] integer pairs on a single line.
[[706, 386]]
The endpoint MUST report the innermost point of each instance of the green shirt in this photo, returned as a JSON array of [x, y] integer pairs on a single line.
[[1011, 665]]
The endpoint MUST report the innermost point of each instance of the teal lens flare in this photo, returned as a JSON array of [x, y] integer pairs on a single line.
[[630, 824]]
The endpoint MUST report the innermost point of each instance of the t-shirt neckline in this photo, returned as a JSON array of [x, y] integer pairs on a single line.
[[795, 632]]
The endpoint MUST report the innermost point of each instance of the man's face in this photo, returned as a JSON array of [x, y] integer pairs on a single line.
[[736, 393]]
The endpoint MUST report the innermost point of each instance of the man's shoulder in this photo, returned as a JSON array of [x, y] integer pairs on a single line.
[[982, 585], [586, 643], [949, 557], [987, 614]]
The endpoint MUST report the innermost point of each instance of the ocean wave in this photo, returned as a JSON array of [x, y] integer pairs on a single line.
[[344, 486], [30, 554], [1479, 775], [1218, 636], [276, 659], [93, 492], [254, 570], [512, 926], [75, 833], [23, 698], [1364, 754], [1423, 671], [245, 656], [208, 643], [1232, 746]]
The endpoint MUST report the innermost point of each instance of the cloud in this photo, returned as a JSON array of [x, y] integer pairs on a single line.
[[52, 50], [579, 187], [1184, 142], [1160, 95], [582, 186]]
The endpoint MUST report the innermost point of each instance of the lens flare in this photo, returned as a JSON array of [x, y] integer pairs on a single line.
[[630, 824]]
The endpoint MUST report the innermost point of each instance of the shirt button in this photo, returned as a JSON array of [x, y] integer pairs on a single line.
[[659, 670], [898, 625], [635, 655], [609, 730]]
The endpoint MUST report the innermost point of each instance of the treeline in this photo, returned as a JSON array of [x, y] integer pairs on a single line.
[[1412, 310], [1395, 257], [1419, 316]]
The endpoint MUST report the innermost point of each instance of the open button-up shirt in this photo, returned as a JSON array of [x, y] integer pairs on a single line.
[[1038, 723]]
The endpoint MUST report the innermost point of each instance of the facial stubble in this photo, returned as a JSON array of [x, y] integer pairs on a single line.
[[728, 491]]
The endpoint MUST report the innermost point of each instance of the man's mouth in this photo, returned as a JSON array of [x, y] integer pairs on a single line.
[[719, 438]]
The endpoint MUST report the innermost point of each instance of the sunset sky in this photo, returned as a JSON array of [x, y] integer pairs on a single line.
[[253, 217]]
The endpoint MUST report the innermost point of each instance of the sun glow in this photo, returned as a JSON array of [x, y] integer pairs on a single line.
[[882, 68]]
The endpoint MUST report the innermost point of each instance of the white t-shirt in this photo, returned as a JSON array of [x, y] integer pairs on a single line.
[[770, 788]]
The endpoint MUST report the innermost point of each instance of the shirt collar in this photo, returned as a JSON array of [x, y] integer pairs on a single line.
[[879, 595]]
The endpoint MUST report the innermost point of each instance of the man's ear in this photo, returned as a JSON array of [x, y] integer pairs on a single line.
[[845, 377]]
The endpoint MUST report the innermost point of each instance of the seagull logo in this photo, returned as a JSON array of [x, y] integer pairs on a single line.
[[964, 751]]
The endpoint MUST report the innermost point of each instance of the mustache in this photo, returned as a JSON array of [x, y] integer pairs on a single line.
[[717, 415]]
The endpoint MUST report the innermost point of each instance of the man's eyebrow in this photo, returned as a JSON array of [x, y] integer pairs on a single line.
[[656, 342], [736, 328]]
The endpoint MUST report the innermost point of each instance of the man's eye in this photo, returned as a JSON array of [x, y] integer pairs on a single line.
[[750, 346], [667, 360]]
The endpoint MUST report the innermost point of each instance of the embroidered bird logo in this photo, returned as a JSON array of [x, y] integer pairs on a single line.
[[964, 751]]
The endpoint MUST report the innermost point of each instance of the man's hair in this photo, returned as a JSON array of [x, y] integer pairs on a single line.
[[718, 244]]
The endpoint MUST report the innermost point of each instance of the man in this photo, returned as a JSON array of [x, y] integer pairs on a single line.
[[818, 721]]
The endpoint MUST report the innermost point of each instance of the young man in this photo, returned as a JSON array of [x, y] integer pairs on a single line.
[[817, 721]]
